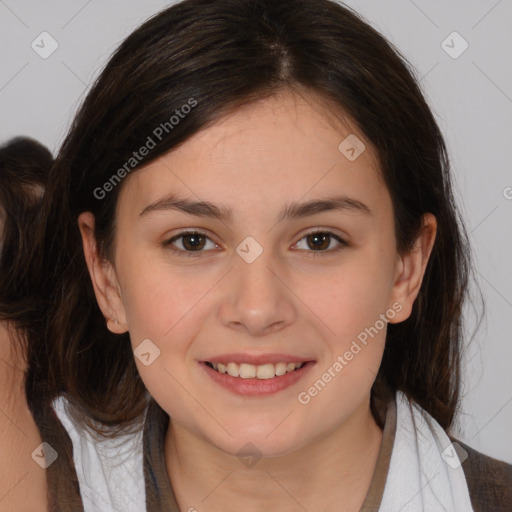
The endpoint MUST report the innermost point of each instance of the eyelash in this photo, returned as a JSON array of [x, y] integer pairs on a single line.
[[180, 252]]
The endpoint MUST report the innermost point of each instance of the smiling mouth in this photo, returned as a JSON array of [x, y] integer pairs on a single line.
[[251, 371]]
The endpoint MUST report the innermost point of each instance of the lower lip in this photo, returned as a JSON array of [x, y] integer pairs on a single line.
[[257, 387]]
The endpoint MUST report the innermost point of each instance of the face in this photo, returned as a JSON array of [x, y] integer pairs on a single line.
[[264, 282]]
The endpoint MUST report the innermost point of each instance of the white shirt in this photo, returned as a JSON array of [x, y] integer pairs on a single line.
[[109, 470]]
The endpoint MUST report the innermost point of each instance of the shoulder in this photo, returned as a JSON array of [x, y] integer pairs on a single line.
[[108, 465], [57, 448], [489, 480]]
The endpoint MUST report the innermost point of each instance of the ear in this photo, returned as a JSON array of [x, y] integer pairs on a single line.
[[411, 269], [103, 277]]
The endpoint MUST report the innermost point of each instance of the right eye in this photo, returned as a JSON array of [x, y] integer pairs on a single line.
[[191, 242]]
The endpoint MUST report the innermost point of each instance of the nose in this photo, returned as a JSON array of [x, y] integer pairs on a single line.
[[257, 299]]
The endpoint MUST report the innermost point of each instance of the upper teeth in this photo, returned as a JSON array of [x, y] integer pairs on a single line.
[[250, 371]]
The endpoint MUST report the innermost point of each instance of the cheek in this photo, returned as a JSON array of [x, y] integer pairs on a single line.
[[353, 304], [162, 305], [166, 305], [352, 296], [157, 297]]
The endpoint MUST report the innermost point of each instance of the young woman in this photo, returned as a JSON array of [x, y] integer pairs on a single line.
[[256, 273], [24, 165]]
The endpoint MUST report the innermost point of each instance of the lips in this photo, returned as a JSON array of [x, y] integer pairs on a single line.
[[256, 375]]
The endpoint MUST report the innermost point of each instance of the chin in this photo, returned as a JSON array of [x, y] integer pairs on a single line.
[[258, 445]]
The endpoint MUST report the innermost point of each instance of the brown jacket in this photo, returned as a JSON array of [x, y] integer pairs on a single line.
[[489, 481]]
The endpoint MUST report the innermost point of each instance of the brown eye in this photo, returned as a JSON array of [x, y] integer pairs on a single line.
[[319, 242], [189, 242], [193, 242]]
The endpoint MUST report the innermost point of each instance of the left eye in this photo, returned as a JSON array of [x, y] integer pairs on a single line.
[[320, 241]]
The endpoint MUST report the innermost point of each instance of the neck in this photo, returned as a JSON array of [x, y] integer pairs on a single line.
[[22, 481], [316, 477]]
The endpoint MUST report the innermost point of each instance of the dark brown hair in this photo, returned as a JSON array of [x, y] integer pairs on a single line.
[[224, 54], [24, 167]]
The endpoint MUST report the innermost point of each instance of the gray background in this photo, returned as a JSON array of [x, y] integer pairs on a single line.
[[471, 96]]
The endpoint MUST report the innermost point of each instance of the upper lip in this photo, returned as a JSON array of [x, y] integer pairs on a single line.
[[256, 360]]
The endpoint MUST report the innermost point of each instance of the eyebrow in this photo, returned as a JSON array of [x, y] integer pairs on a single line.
[[290, 211]]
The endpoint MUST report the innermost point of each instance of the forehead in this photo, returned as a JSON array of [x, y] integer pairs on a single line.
[[297, 125], [279, 149]]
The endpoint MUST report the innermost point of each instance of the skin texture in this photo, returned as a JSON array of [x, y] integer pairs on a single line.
[[293, 299], [22, 481]]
